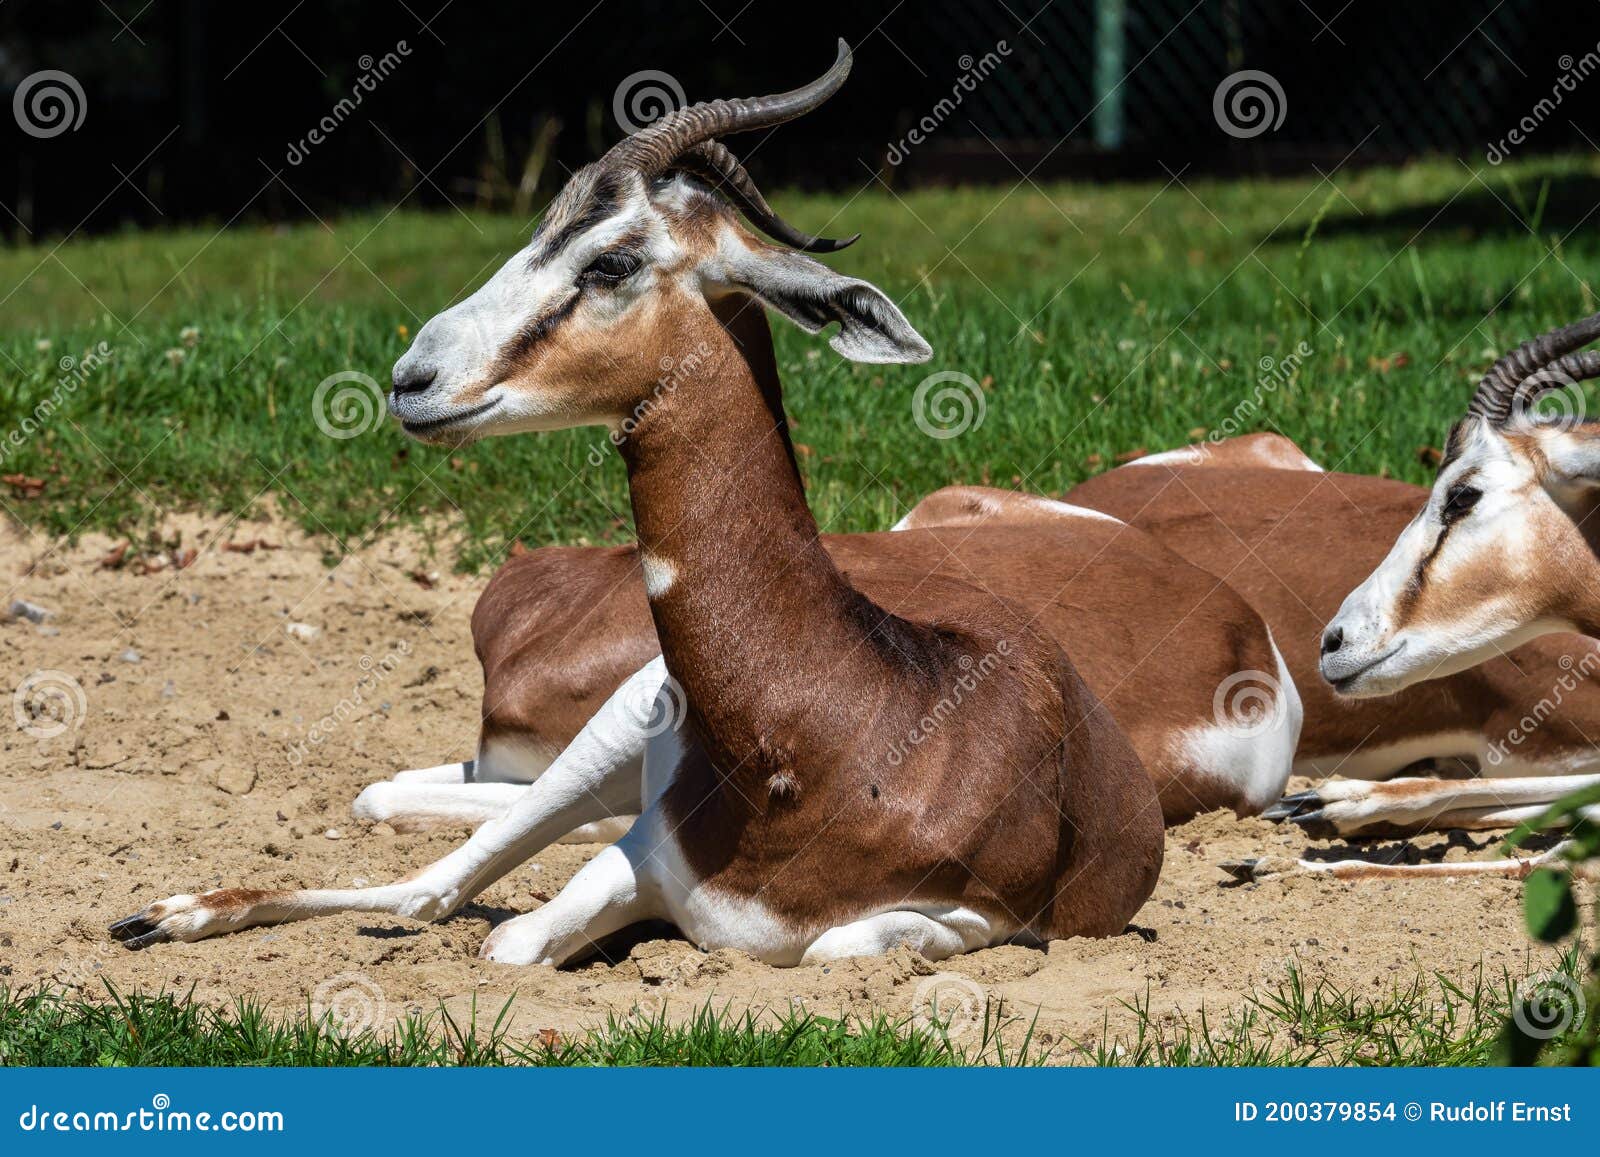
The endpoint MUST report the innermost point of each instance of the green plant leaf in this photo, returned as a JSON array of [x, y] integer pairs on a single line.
[[1515, 1048], [1565, 809], [1548, 905]]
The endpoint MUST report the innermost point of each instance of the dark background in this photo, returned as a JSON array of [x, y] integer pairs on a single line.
[[192, 106]]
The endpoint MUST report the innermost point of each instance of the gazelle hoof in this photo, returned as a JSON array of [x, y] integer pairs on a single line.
[[1255, 868], [138, 931], [1316, 824], [1291, 806]]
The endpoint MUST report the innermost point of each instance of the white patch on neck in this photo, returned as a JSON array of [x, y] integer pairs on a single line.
[[659, 574]]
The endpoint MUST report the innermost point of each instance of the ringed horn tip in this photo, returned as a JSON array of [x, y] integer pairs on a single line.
[[1535, 367], [685, 140]]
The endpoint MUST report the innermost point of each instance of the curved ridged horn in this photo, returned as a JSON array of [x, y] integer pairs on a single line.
[[1505, 381], [712, 161], [652, 149]]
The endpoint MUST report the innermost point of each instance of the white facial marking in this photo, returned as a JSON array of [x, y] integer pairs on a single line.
[[463, 344]]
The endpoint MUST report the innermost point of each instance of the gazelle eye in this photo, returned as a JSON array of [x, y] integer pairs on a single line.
[[1460, 500], [610, 267]]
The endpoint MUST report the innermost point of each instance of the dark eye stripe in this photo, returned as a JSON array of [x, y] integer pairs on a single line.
[[531, 335]]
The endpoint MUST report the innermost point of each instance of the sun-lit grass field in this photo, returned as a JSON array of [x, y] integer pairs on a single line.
[[1097, 319]]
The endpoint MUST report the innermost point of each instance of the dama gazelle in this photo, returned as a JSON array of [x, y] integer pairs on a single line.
[[1501, 553], [905, 757], [1186, 668]]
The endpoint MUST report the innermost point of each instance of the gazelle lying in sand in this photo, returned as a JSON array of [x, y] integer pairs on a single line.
[[1187, 669], [559, 628], [1502, 552], [1295, 545], [904, 757]]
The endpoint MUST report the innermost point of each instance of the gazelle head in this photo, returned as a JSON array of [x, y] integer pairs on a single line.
[[620, 281], [1504, 549]]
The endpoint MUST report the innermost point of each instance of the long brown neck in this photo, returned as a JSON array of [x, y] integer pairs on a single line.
[[752, 615]]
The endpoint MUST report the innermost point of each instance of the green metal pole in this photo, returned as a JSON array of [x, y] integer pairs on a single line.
[[1109, 62]]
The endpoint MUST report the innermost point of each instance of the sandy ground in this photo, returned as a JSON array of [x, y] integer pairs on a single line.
[[203, 757]]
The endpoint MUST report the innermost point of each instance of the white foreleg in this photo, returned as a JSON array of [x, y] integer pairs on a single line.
[[605, 895], [1346, 807], [1517, 869], [593, 779]]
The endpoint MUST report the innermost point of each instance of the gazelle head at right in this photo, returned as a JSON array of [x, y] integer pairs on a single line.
[[640, 260], [1505, 548]]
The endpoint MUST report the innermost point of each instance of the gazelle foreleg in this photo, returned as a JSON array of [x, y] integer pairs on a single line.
[[605, 895], [594, 778], [1349, 807], [1264, 866]]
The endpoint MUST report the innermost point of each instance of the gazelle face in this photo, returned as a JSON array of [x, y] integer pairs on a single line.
[[1476, 573], [577, 328]]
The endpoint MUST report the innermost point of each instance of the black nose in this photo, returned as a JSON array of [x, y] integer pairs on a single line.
[[1332, 640], [413, 379]]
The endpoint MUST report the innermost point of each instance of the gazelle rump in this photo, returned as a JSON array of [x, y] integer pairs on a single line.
[[802, 809]]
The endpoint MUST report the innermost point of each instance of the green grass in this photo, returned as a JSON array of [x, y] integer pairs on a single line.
[[1432, 1020], [1100, 319]]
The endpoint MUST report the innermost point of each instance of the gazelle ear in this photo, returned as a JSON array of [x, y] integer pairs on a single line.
[[808, 293], [1573, 455]]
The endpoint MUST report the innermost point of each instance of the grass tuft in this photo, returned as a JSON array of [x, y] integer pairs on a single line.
[[1432, 1020]]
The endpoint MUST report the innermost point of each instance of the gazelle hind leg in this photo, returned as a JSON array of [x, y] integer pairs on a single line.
[[1349, 807], [445, 773], [410, 807], [605, 895], [417, 807]]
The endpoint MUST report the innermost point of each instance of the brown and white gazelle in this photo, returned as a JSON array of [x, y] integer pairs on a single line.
[[1295, 545], [1187, 669], [803, 810], [1503, 551]]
